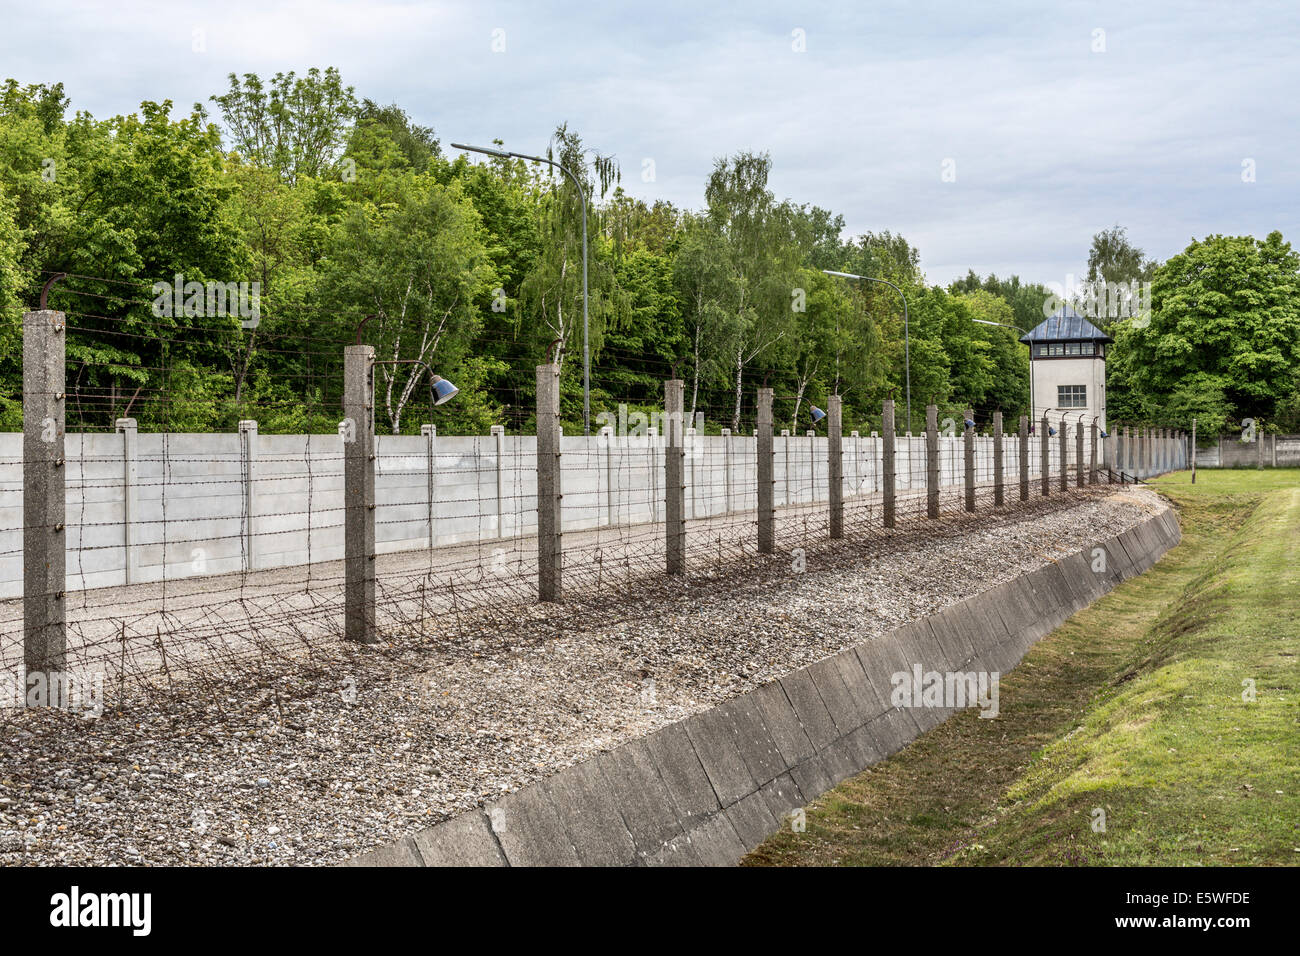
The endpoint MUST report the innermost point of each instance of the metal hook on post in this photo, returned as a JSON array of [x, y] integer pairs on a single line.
[[45, 291], [361, 325]]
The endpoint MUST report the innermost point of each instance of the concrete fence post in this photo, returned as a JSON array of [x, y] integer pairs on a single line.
[[998, 497], [652, 466], [604, 472], [430, 435], [248, 453], [1046, 456], [854, 436], [968, 458], [1092, 452], [887, 462], [691, 463], [127, 428], [932, 461], [44, 502], [498, 435], [1125, 457], [674, 476], [1078, 454], [835, 465], [359, 493], [550, 531], [785, 457], [1063, 435], [766, 474], [1023, 462], [726, 471], [811, 437]]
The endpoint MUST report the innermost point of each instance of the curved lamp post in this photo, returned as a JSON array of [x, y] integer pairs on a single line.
[[907, 339], [1006, 325], [582, 195]]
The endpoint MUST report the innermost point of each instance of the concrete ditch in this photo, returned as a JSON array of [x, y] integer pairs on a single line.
[[706, 790]]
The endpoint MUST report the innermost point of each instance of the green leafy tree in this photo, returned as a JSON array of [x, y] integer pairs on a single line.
[[762, 258], [706, 288], [297, 126], [1007, 386], [419, 270], [550, 294], [1224, 330]]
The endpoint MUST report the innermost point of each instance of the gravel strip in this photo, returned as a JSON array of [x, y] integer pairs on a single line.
[[399, 739]]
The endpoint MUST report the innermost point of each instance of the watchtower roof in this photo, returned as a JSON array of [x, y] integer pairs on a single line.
[[1065, 326]]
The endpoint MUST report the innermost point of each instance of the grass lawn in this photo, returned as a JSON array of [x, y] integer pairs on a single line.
[[1133, 708]]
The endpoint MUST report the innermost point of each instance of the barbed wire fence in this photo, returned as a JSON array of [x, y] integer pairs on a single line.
[[178, 564]]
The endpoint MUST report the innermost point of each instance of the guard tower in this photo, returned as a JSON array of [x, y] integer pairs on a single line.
[[1068, 356]]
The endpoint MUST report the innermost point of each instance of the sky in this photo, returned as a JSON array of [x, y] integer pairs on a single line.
[[997, 136]]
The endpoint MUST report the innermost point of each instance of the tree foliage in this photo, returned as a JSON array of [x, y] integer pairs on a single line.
[[353, 222]]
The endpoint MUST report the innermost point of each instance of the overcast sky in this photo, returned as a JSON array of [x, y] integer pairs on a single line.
[[1050, 128]]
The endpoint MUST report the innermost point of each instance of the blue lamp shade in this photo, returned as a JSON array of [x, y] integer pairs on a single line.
[[817, 414], [443, 390], [1104, 433], [969, 423], [1051, 431]]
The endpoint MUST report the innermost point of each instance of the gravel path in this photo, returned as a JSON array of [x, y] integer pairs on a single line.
[[402, 736]]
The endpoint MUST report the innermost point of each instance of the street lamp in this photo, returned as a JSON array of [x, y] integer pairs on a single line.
[[443, 390], [907, 339], [582, 195], [1031, 358]]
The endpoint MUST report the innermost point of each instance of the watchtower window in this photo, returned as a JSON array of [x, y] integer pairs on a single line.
[[1072, 396]]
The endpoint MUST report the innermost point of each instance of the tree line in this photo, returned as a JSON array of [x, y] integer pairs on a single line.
[[357, 225]]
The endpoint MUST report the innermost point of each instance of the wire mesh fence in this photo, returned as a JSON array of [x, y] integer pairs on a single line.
[[175, 562]]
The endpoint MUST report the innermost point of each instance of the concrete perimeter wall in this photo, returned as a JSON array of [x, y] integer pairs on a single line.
[[204, 504], [708, 789], [1268, 451]]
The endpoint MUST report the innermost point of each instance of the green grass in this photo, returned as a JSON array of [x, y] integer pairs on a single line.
[[1134, 707]]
